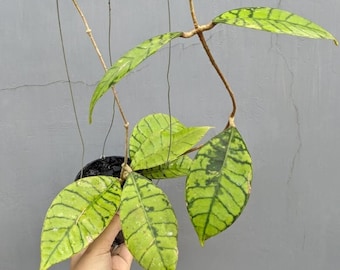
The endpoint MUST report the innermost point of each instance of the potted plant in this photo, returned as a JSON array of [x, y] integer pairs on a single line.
[[218, 177]]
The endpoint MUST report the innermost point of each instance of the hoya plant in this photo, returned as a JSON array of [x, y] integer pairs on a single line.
[[218, 173]]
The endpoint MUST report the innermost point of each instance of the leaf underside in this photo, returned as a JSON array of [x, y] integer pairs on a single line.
[[77, 215], [149, 224], [218, 186], [128, 62], [177, 168], [275, 21]]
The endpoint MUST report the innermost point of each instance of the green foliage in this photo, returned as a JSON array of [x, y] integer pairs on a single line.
[[149, 224], [77, 216], [275, 21], [261, 18], [176, 168], [218, 185], [128, 62], [154, 142], [218, 180], [148, 125]]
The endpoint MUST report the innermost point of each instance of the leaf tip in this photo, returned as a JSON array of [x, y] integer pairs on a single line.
[[202, 242], [42, 266], [336, 42]]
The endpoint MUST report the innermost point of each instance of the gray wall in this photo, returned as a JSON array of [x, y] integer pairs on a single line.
[[288, 94]]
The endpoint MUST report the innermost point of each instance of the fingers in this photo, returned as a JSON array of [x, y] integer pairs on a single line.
[[98, 254], [75, 259], [104, 241], [122, 251], [121, 258]]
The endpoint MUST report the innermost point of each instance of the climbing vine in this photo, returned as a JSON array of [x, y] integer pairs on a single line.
[[218, 178]]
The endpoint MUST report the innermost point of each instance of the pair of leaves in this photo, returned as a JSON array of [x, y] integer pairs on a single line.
[[81, 211], [158, 140], [259, 18]]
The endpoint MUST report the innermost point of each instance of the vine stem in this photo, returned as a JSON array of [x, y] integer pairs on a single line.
[[199, 31], [115, 94]]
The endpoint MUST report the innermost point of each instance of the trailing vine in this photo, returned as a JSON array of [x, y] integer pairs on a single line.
[[218, 178]]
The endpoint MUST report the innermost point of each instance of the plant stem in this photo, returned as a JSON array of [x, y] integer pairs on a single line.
[[193, 14], [200, 28], [199, 31], [89, 33], [115, 94], [220, 74]]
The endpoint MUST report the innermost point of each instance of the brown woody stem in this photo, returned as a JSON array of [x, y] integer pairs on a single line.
[[199, 31], [115, 94]]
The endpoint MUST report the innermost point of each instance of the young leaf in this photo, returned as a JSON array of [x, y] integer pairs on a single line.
[[275, 21], [149, 224], [127, 63], [152, 125], [152, 136], [76, 216], [165, 147], [218, 185], [177, 168]]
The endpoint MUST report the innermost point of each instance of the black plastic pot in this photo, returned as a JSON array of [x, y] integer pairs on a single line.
[[108, 166]]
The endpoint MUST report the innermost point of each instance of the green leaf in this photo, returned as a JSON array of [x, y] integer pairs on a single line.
[[149, 224], [77, 215], [275, 21], [151, 139], [177, 168], [151, 126], [218, 186], [128, 62], [166, 147]]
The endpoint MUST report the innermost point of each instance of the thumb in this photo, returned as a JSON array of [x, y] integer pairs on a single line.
[[103, 242]]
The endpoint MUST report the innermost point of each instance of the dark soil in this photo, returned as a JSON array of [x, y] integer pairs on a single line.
[[109, 166]]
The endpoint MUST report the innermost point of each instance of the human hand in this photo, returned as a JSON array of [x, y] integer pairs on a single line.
[[99, 256]]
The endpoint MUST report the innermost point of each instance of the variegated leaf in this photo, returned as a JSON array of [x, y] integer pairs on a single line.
[[149, 224], [177, 168], [77, 215], [274, 20], [149, 128], [128, 62], [154, 143], [218, 185]]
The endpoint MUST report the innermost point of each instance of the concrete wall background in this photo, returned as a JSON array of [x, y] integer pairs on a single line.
[[288, 96]]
